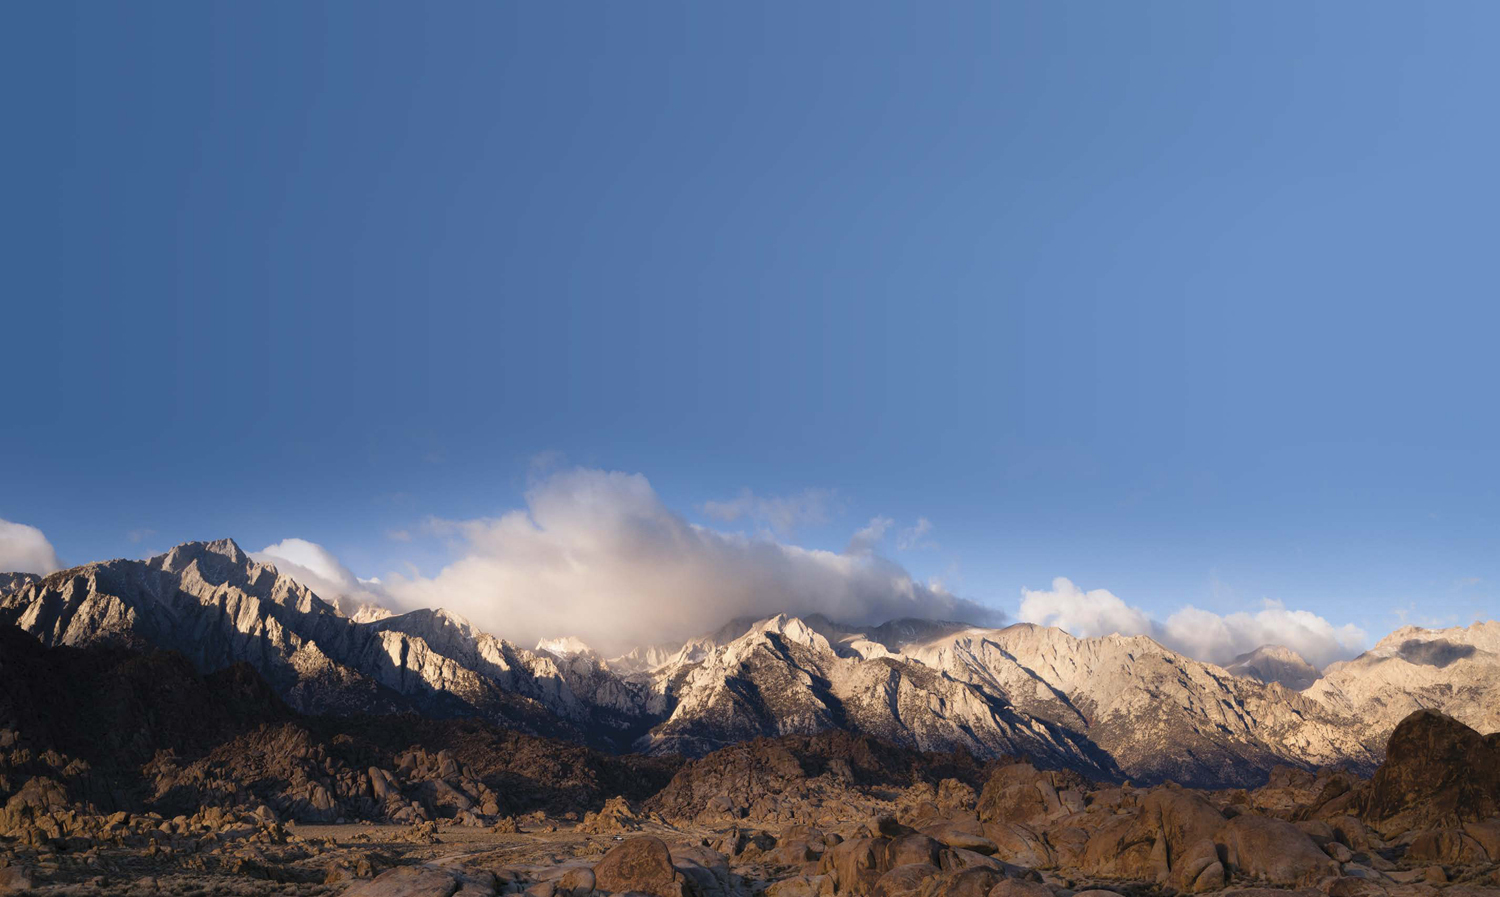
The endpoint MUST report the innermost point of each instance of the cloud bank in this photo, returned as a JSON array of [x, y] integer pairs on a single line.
[[23, 549], [1193, 631], [317, 568], [597, 555]]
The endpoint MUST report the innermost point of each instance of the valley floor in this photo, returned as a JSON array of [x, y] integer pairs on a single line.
[[1427, 826]]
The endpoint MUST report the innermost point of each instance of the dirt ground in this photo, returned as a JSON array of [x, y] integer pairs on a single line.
[[309, 864]]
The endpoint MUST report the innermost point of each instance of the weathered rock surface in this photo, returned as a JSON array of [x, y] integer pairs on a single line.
[[1275, 851], [1438, 771], [809, 780], [640, 865]]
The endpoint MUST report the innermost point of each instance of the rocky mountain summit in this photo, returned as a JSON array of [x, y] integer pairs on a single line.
[[1111, 708], [1450, 670], [1275, 663], [216, 606]]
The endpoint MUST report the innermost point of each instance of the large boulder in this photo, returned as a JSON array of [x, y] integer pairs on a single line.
[[706, 871], [1181, 818], [1198, 868], [855, 865], [1487, 834], [1168, 839], [975, 881], [1022, 793], [1452, 846], [964, 834], [424, 881], [1019, 844], [1068, 843], [1437, 772], [641, 865], [1274, 851], [578, 881], [1017, 887], [1124, 847], [802, 886], [1185, 825], [17, 880], [914, 848], [904, 880]]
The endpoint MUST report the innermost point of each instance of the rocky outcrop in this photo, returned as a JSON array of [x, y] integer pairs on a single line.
[[1437, 772], [1021, 793], [1275, 851], [426, 881], [641, 865], [614, 816], [10, 582], [802, 780]]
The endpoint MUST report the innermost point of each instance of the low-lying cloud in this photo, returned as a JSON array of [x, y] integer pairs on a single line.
[[320, 570], [23, 549], [597, 555], [1198, 633]]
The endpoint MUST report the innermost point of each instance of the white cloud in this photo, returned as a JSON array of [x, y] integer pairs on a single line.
[[597, 555], [781, 513], [873, 533], [320, 570], [1198, 633], [1084, 614], [23, 549], [912, 536], [1209, 636]]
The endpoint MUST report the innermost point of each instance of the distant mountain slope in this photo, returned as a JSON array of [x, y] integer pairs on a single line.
[[1455, 671], [782, 677], [1113, 707], [216, 606], [1159, 714], [1274, 663]]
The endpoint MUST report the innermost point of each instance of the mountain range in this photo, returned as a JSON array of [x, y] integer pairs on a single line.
[[1113, 708]]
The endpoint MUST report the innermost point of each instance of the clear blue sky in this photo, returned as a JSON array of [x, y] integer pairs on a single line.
[[1194, 302]]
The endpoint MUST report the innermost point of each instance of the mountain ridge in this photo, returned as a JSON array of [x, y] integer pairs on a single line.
[[1114, 707]]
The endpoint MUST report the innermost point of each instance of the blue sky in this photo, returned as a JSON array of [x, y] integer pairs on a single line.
[[1191, 302]]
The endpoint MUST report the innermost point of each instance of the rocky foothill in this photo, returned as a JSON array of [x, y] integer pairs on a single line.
[[137, 775]]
